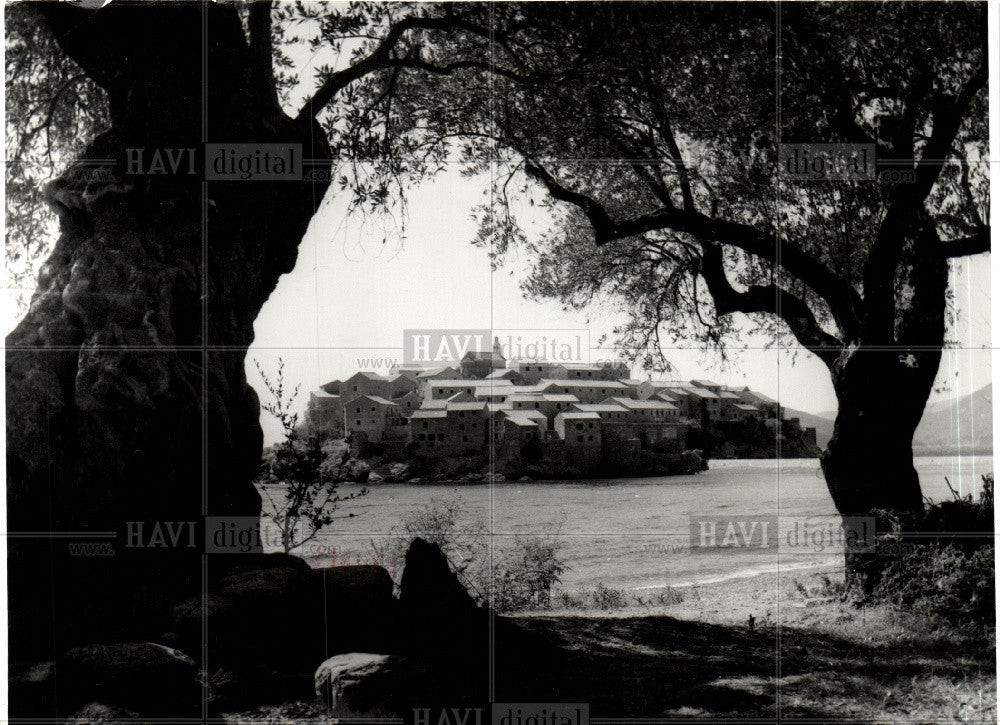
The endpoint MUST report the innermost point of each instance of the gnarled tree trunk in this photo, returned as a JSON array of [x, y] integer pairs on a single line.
[[882, 390], [128, 412]]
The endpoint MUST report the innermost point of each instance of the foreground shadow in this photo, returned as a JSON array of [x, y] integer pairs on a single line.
[[656, 666]]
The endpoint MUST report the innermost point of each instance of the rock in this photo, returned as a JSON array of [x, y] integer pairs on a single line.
[[96, 713], [291, 618], [398, 473], [524, 479], [442, 625], [433, 602], [32, 691], [359, 684], [416, 480], [375, 478], [355, 471], [494, 478], [253, 616], [360, 612], [149, 678]]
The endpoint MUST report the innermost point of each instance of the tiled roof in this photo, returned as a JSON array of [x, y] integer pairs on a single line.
[[380, 400], [523, 422], [578, 415], [466, 406], [644, 404], [579, 383], [533, 414], [436, 371], [600, 408], [373, 398]]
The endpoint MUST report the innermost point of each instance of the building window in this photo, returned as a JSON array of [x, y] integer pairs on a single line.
[[441, 436], [358, 410], [461, 426], [425, 424], [590, 438], [357, 422], [579, 439], [465, 439]]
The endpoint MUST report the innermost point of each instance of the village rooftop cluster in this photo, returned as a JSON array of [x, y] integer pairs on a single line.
[[457, 410]]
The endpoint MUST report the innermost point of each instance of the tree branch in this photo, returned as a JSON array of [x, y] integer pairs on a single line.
[[378, 59], [906, 209], [769, 299], [977, 243], [262, 72], [843, 300], [416, 62]]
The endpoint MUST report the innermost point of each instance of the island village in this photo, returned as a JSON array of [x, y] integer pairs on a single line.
[[546, 419]]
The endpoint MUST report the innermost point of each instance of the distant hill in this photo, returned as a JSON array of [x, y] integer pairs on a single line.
[[948, 427], [959, 425]]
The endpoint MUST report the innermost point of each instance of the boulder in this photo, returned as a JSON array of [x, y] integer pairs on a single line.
[[441, 625], [435, 606], [97, 713], [360, 684], [359, 611], [289, 617], [253, 617], [32, 691], [398, 473], [355, 471], [375, 478], [148, 678]]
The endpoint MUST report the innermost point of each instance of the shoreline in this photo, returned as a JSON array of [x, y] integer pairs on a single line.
[[765, 597]]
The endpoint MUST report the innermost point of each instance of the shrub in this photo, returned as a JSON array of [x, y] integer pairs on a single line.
[[515, 579], [296, 484], [606, 598], [941, 581], [951, 574], [524, 578]]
